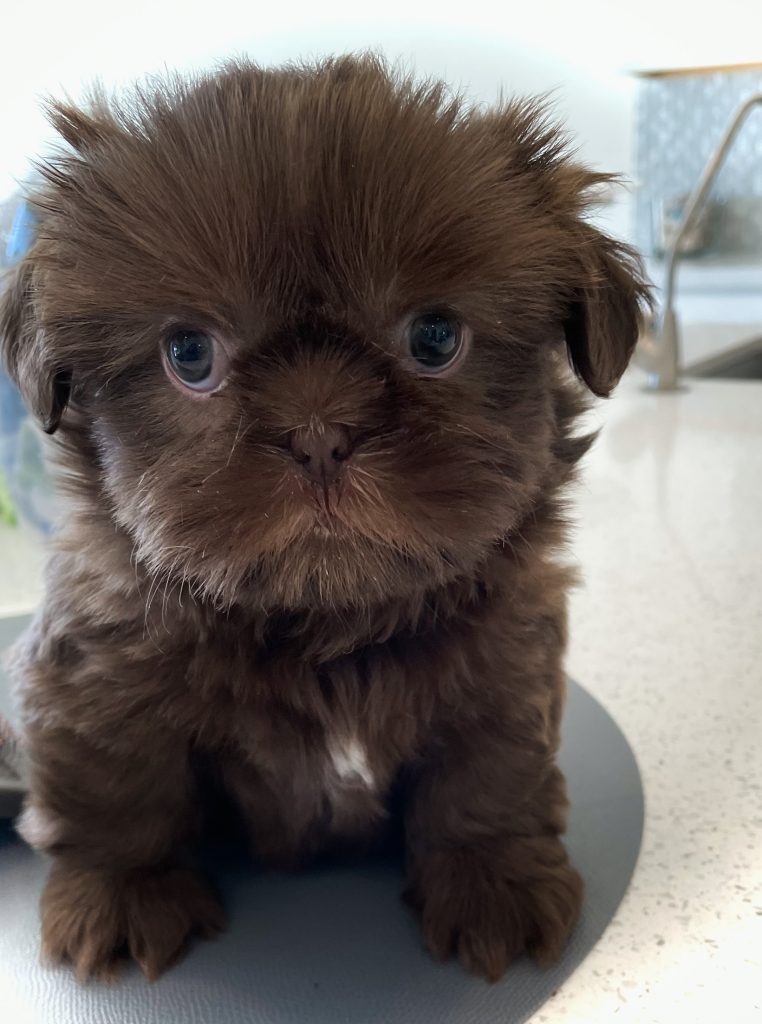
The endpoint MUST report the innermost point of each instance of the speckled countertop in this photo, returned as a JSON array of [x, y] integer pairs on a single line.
[[666, 632]]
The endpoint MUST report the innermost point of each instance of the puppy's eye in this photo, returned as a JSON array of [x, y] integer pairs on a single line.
[[195, 360], [436, 342]]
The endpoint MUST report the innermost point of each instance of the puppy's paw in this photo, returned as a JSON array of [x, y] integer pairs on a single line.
[[491, 906], [96, 920]]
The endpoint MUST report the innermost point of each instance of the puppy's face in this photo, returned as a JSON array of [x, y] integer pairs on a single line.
[[308, 324]]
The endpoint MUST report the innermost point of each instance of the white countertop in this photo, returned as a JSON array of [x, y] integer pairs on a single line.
[[667, 632]]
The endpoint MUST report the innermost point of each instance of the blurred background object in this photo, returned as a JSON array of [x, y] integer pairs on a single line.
[[26, 490], [659, 346], [668, 219], [681, 116]]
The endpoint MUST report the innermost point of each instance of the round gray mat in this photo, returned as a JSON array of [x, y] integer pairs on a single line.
[[336, 945]]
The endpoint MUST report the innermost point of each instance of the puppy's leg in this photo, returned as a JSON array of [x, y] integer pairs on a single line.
[[113, 811], [487, 871]]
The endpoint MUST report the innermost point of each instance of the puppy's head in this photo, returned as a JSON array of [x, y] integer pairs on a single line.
[[308, 324]]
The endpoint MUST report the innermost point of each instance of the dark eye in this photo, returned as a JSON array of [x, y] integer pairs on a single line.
[[436, 341], [195, 360]]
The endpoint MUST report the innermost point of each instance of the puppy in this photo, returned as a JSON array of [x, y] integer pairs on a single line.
[[301, 336]]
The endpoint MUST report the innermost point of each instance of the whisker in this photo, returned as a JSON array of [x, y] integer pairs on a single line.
[[462, 428], [235, 440]]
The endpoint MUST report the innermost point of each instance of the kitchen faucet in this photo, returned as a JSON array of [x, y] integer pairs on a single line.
[[658, 348]]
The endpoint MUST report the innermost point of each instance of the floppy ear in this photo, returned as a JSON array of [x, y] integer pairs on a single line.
[[25, 349], [605, 315], [44, 386], [604, 285]]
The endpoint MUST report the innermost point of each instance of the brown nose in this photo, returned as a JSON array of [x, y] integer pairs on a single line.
[[321, 454]]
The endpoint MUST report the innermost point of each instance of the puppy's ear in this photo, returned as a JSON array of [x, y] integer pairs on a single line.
[[603, 284], [605, 313], [44, 386], [25, 347]]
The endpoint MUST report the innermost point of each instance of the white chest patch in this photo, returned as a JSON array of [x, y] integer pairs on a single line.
[[39, 827], [350, 762]]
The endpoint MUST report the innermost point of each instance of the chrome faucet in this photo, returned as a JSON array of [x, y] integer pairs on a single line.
[[658, 348]]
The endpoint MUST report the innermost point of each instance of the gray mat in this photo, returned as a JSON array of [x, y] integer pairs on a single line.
[[335, 945]]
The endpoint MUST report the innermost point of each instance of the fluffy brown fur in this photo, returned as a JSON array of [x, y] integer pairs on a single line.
[[398, 631]]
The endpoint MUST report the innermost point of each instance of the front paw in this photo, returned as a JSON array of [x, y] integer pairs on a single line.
[[489, 905], [96, 920]]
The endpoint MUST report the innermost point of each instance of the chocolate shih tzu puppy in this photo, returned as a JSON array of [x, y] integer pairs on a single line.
[[302, 337]]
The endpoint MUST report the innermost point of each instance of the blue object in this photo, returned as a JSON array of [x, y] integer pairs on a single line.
[[22, 233], [22, 452]]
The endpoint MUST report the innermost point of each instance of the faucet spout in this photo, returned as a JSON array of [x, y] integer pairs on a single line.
[[657, 351]]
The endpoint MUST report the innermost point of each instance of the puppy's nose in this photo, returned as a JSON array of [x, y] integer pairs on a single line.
[[321, 454]]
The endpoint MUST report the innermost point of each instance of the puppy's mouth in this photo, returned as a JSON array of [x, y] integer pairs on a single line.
[[327, 506], [347, 507]]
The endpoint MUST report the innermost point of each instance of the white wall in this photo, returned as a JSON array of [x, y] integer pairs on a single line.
[[582, 49]]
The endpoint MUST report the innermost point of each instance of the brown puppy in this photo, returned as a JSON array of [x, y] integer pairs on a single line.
[[302, 335]]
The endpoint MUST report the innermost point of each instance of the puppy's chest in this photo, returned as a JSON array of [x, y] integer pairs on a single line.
[[322, 744], [337, 750]]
